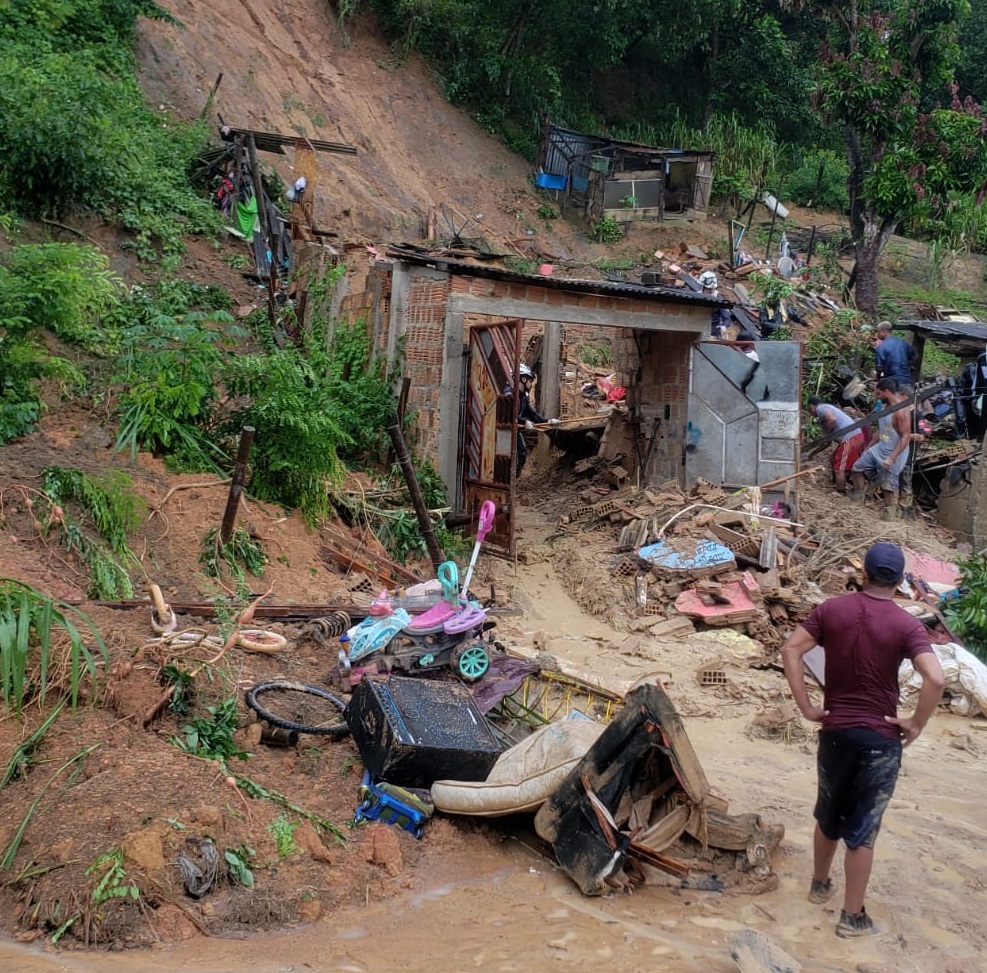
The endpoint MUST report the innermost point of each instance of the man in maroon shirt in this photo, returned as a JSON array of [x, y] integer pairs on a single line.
[[866, 636]]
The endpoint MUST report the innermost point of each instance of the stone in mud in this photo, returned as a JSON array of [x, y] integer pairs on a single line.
[[144, 850], [309, 841], [382, 847]]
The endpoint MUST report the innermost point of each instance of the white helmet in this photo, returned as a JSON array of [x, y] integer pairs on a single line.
[[525, 372], [707, 280]]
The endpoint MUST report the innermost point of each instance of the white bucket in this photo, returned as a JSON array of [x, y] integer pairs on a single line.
[[774, 206]]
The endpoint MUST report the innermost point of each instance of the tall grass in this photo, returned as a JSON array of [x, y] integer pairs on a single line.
[[748, 158], [33, 659]]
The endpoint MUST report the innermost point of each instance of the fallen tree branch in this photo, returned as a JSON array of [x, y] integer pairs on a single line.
[[185, 486]]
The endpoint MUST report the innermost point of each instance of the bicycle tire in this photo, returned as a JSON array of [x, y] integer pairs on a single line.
[[291, 699]]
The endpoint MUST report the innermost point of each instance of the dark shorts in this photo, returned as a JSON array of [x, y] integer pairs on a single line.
[[858, 770]]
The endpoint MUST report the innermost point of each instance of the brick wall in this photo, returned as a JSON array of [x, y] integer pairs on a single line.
[[657, 379], [659, 375], [424, 350]]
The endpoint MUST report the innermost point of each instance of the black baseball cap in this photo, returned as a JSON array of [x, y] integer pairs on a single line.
[[885, 563]]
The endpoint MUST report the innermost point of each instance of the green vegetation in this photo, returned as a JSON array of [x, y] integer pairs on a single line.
[[169, 367], [257, 791], [521, 265], [967, 616], [77, 133], [57, 287], [241, 552], [608, 230], [819, 178], [212, 736], [33, 661], [238, 862], [110, 503], [182, 683], [283, 831]]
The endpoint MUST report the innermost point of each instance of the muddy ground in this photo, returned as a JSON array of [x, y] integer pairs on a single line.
[[489, 887], [466, 896]]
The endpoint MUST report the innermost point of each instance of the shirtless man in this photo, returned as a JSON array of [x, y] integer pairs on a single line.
[[888, 452]]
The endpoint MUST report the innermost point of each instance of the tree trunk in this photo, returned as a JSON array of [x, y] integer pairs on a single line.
[[869, 246], [870, 232]]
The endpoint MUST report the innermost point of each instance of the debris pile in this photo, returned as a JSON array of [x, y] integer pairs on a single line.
[[710, 557]]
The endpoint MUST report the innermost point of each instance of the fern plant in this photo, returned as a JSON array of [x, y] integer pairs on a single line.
[[115, 511], [169, 369], [286, 397]]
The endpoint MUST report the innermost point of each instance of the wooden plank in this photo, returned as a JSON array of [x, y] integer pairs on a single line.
[[272, 142]]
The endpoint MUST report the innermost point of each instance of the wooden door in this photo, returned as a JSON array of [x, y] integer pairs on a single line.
[[490, 428]]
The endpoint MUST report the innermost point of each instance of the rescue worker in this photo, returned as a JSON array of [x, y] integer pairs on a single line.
[[527, 414]]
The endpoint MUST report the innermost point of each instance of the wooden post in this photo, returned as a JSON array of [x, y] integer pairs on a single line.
[[265, 230], [236, 486], [771, 232], [417, 500], [207, 107]]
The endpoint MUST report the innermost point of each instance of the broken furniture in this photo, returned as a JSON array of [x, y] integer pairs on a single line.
[[638, 797]]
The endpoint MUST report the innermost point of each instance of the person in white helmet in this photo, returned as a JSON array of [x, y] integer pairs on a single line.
[[527, 414], [720, 317]]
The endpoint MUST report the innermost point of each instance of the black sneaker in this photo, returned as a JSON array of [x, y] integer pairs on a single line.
[[820, 892], [853, 924]]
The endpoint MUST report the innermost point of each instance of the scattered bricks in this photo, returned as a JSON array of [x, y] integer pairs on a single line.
[[647, 622], [749, 583], [602, 509], [653, 608], [364, 584], [625, 567], [678, 627], [712, 676]]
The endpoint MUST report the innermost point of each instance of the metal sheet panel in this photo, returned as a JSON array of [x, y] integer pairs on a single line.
[[744, 419]]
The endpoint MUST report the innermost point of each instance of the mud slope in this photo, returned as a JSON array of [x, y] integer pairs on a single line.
[[286, 69]]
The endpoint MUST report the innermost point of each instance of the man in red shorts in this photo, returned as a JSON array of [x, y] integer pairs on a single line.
[[866, 636], [851, 444]]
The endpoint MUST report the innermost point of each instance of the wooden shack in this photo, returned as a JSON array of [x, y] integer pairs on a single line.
[[601, 178]]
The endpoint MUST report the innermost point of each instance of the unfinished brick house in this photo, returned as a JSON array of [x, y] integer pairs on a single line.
[[458, 329]]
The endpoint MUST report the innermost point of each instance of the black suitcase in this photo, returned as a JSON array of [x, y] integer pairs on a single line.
[[413, 732]]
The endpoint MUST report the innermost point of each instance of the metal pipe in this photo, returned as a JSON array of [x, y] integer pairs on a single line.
[[278, 736]]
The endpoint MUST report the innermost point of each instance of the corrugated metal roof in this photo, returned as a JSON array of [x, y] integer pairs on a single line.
[[977, 330], [966, 339], [601, 140], [671, 295]]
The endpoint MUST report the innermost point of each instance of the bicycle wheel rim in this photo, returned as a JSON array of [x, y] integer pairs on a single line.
[[299, 706]]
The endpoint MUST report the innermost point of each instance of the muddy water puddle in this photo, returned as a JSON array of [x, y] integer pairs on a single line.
[[516, 915]]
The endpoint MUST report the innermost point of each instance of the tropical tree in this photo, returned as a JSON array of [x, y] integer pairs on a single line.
[[878, 77]]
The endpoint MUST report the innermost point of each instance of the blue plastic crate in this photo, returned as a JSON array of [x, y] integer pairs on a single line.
[[547, 180]]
